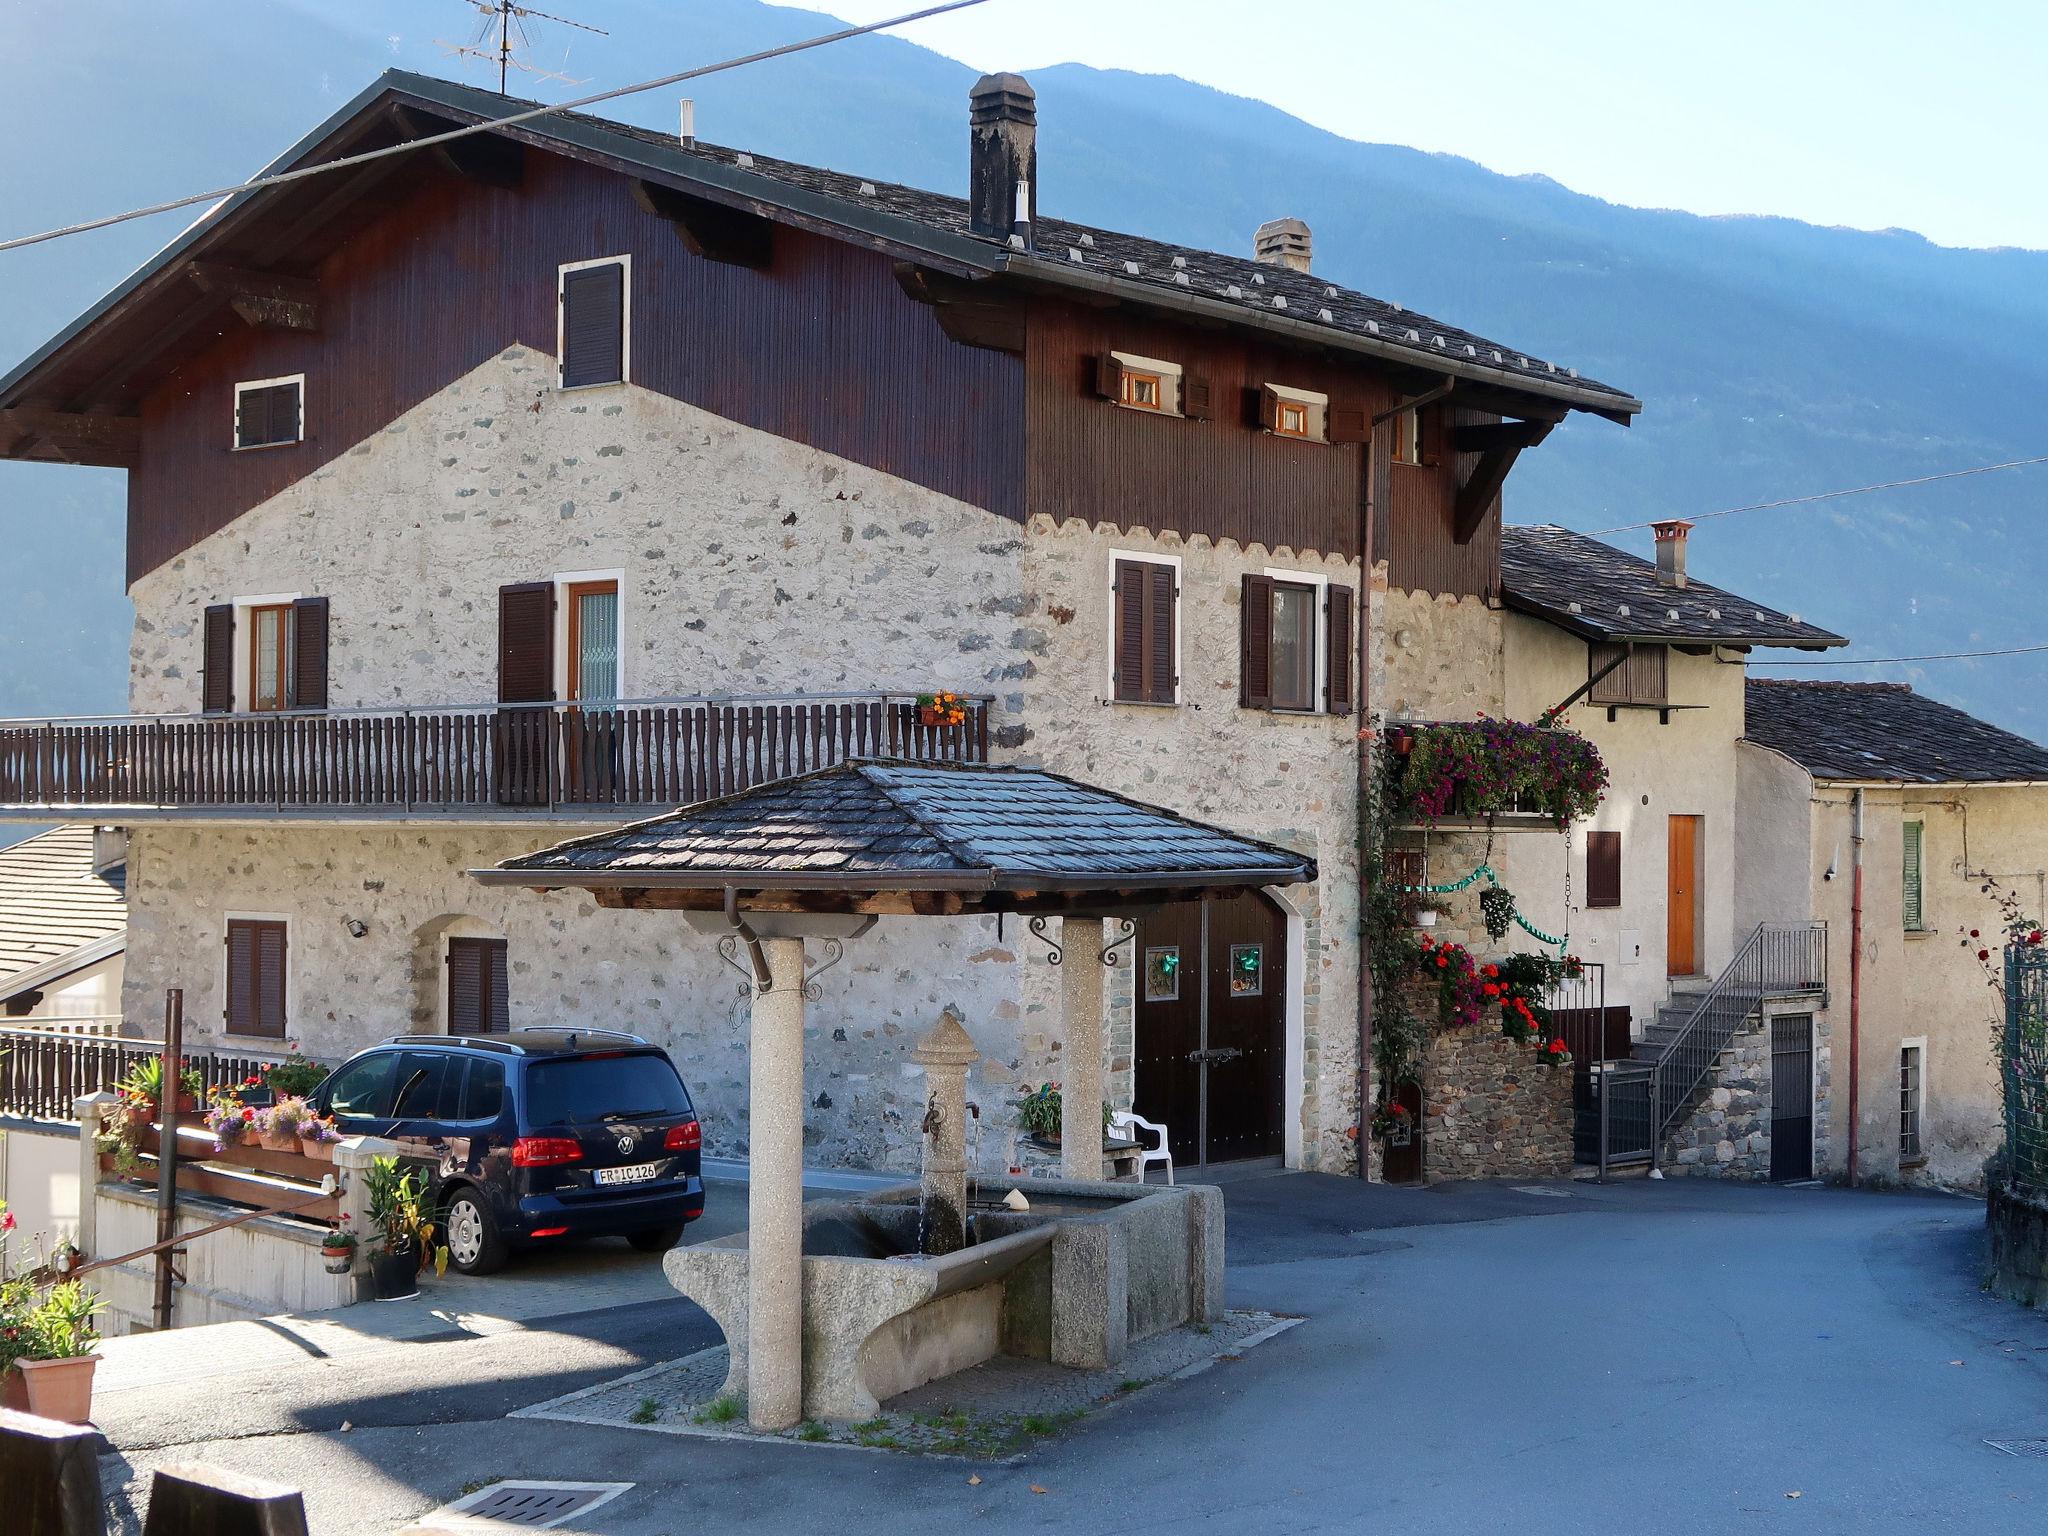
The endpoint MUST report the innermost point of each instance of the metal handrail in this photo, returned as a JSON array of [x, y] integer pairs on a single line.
[[1777, 959], [489, 707]]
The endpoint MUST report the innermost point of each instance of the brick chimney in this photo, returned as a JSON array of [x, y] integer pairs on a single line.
[[1002, 182], [1283, 243], [1671, 550]]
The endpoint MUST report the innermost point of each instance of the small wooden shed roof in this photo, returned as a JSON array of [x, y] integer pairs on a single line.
[[898, 837]]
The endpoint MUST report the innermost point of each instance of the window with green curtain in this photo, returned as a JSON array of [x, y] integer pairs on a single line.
[[1912, 903]]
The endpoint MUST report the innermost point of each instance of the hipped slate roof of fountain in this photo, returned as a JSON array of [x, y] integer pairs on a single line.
[[878, 826]]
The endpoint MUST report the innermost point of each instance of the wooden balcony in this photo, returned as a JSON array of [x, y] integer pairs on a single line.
[[490, 762]]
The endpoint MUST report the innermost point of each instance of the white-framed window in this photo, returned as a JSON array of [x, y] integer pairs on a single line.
[[1147, 383], [1144, 627], [1302, 414], [270, 413], [255, 975], [1298, 649], [263, 626], [590, 636], [594, 322], [1912, 1098]]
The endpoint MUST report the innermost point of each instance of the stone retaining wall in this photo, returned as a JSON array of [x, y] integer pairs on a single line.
[[2018, 1225], [1729, 1135], [1492, 1109]]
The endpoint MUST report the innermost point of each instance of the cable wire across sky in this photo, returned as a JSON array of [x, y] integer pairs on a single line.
[[304, 172]]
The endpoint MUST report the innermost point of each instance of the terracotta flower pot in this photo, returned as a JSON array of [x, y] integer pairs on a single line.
[[13, 1390], [319, 1151], [279, 1141], [929, 715], [61, 1389], [339, 1260], [188, 1103]]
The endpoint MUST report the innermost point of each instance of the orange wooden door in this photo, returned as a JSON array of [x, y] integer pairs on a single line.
[[1681, 907]]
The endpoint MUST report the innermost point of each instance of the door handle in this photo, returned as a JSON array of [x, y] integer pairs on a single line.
[[1216, 1053]]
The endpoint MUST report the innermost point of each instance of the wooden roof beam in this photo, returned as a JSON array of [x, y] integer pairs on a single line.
[[1480, 490], [71, 436], [485, 158], [1482, 437], [261, 298], [711, 230], [966, 311]]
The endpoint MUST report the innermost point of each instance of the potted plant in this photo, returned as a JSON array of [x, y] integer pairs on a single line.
[[1040, 1112], [60, 1361], [317, 1137], [120, 1134], [278, 1126], [295, 1075], [339, 1250], [406, 1225], [942, 708], [144, 1083], [231, 1121], [17, 1298]]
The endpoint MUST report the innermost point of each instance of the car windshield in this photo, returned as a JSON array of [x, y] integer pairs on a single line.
[[581, 1089]]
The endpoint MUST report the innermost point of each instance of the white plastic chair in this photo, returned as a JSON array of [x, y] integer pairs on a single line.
[[1123, 1123]]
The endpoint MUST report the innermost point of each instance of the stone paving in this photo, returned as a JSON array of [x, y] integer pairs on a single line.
[[994, 1411]]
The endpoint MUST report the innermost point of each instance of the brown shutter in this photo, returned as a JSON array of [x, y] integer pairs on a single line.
[[1269, 407], [1431, 432], [1337, 651], [526, 643], [217, 664], [1109, 377], [594, 325], [309, 654], [1603, 869], [476, 986], [1255, 644], [1350, 424], [256, 978], [1129, 666], [1162, 665], [1197, 398]]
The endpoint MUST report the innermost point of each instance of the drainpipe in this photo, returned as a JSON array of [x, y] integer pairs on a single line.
[[1855, 974], [1366, 504]]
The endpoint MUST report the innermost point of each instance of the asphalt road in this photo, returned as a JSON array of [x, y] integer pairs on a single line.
[[1678, 1356]]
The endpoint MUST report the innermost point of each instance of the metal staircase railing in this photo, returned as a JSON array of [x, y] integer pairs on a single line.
[[1777, 960]]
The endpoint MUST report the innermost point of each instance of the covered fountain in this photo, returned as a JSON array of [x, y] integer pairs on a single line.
[[829, 1307]]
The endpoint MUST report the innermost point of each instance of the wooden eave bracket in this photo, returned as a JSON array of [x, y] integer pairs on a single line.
[[966, 311], [1498, 444], [711, 230], [486, 158], [268, 299], [70, 437], [1481, 437]]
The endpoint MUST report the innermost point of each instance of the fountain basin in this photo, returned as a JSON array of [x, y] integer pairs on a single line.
[[1074, 1282]]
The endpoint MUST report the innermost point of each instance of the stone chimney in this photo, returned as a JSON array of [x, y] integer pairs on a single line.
[[1671, 550], [1002, 182], [1283, 243]]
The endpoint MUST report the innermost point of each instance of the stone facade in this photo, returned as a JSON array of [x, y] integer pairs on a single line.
[[1492, 1109], [1729, 1135], [746, 564]]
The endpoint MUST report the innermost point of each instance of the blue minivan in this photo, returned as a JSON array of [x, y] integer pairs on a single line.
[[533, 1136]]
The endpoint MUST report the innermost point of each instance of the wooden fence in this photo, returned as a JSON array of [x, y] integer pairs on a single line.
[[43, 1073]]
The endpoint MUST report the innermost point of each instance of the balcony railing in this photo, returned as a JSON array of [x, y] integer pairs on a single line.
[[641, 753]]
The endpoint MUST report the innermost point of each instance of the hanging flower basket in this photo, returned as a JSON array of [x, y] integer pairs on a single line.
[[1490, 768]]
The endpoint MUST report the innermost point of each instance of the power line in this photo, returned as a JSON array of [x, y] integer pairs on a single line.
[[516, 118], [1796, 501], [1879, 661]]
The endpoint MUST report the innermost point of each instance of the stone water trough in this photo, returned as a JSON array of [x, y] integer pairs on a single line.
[[1089, 1269]]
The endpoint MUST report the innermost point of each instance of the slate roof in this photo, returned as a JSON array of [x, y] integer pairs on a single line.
[[1604, 593], [1305, 306], [1885, 731], [51, 902], [892, 826]]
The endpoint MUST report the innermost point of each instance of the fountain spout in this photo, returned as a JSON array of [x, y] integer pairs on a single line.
[[945, 1053]]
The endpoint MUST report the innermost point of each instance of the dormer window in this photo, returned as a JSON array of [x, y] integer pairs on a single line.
[[270, 413], [1148, 384], [1302, 414]]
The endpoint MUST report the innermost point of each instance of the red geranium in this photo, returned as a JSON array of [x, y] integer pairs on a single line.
[[248, 1114]]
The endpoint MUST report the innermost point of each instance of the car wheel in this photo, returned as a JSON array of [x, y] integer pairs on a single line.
[[471, 1232], [657, 1239]]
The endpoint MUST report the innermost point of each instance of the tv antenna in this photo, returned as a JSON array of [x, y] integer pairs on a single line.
[[508, 18]]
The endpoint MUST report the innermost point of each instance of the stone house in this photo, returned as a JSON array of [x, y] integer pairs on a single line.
[[1939, 813], [554, 476]]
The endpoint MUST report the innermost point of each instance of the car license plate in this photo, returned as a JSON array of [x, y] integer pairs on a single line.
[[633, 1173]]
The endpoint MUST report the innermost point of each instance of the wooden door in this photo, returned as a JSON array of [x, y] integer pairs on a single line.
[[1681, 907], [1212, 1034]]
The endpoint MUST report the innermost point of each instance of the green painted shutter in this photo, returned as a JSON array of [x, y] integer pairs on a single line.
[[1912, 905]]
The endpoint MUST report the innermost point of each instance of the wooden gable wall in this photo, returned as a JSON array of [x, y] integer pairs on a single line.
[[822, 347]]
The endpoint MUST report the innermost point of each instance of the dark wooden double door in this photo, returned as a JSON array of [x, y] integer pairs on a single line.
[[1212, 1028]]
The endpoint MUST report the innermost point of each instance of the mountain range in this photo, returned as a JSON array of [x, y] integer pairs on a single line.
[[1776, 359]]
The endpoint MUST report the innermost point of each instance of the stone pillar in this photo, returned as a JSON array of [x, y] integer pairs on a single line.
[[352, 1158], [1081, 1086], [775, 1193], [91, 1111], [945, 1053]]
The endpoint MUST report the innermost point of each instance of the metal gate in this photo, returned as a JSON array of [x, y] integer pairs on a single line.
[[1792, 1096], [1212, 1028]]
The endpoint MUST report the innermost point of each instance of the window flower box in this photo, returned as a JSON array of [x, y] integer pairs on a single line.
[[1488, 771]]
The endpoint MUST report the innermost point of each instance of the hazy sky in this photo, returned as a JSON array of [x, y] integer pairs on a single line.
[[1874, 114]]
